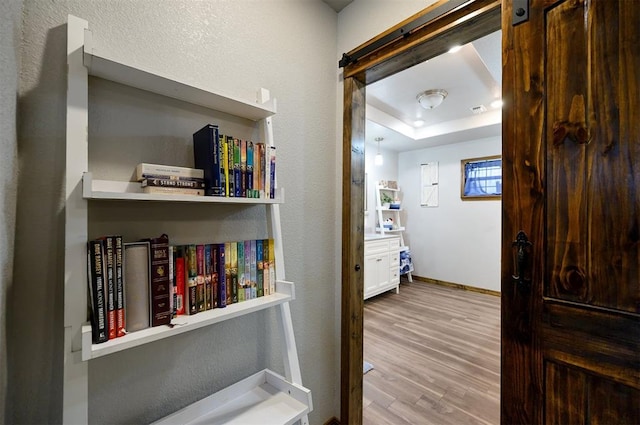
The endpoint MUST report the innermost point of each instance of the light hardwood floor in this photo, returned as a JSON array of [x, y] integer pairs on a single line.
[[436, 357]]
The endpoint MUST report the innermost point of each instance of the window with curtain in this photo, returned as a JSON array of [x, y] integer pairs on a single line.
[[481, 178]]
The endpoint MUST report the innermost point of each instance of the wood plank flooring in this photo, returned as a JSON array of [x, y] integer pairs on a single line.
[[436, 357]]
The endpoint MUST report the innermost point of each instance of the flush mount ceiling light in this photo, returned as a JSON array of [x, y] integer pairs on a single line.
[[431, 98]]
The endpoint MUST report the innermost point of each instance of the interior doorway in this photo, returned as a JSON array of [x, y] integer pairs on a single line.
[[424, 36]]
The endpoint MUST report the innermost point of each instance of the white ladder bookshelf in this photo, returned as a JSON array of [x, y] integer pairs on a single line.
[[264, 395], [387, 208]]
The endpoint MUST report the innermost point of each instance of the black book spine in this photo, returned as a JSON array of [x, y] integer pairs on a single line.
[[96, 269], [206, 157]]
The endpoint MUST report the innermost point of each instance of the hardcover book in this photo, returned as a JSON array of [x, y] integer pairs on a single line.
[[110, 284], [259, 268], [243, 168], [222, 281], [272, 266], [259, 171], [119, 287], [237, 178], [265, 267], [267, 172], [168, 182], [254, 271], [160, 291], [222, 154], [137, 281], [208, 276], [250, 191], [272, 172], [247, 270], [215, 283], [179, 285], [231, 192], [157, 190], [172, 281], [192, 279], [227, 273], [200, 270], [241, 278], [96, 275], [233, 271], [145, 169], [206, 157]]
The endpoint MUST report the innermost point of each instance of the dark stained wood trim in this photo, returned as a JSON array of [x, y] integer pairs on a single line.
[[353, 252], [456, 285], [332, 421], [474, 19], [461, 25], [523, 202]]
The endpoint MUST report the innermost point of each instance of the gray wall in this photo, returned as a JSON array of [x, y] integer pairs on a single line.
[[10, 29], [235, 47]]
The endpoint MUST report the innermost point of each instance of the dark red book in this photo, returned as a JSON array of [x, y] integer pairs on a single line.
[[109, 271], [160, 287], [179, 280]]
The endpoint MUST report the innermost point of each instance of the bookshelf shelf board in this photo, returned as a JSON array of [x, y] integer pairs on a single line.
[[262, 398], [113, 70], [184, 323], [399, 229], [390, 209], [132, 191]]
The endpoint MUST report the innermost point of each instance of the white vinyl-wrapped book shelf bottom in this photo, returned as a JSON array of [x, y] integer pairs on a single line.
[[264, 398]]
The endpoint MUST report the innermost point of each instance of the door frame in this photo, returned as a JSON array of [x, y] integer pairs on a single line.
[[422, 36]]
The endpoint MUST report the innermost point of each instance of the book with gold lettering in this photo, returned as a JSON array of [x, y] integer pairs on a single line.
[[160, 288]]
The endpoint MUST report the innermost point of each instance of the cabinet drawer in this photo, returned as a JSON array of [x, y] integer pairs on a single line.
[[394, 244], [394, 257], [376, 247], [394, 275]]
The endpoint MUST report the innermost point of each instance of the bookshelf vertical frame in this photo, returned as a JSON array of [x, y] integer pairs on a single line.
[[81, 60]]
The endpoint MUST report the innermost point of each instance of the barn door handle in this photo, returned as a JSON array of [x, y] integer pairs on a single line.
[[522, 245]]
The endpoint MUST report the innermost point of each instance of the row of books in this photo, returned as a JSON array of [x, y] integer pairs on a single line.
[[208, 276], [136, 285], [234, 167]]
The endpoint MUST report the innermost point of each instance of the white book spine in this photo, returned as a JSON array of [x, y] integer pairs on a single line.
[[144, 169]]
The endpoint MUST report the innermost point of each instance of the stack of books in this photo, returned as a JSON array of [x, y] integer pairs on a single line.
[[170, 179]]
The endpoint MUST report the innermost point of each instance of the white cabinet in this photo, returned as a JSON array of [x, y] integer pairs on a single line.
[[381, 264], [264, 394]]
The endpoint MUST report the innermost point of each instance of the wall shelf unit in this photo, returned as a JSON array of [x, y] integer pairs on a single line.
[[265, 396], [389, 207]]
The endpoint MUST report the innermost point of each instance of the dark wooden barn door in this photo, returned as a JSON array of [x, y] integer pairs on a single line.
[[571, 158]]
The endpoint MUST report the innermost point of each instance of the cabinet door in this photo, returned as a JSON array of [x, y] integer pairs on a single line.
[[376, 273]]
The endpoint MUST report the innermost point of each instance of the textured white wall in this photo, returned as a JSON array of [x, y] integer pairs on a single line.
[[459, 241], [10, 29], [287, 46]]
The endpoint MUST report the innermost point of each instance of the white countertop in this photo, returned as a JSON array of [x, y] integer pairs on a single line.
[[376, 236]]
